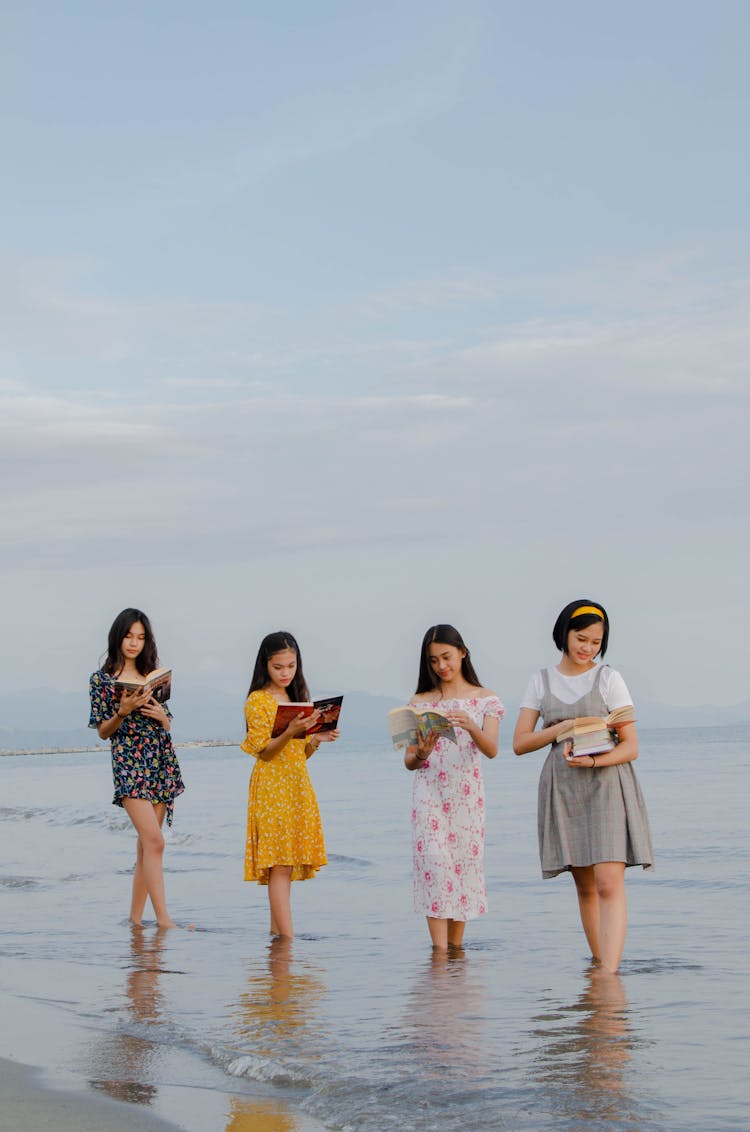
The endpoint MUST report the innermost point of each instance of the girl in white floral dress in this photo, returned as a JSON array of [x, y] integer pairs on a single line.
[[448, 811]]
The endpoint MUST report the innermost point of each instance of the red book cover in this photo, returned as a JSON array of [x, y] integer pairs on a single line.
[[329, 708]]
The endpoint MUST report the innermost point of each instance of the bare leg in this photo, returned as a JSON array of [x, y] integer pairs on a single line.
[[148, 873], [280, 900], [588, 906], [456, 929], [140, 892], [613, 911], [438, 933]]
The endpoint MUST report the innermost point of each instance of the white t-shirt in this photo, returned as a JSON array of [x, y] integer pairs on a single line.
[[613, 688]]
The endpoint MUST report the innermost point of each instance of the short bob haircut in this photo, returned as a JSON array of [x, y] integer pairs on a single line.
[[269, 646], [148, 658], [443, 635], [567, 622]]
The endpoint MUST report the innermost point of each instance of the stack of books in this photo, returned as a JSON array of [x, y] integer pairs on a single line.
[[593, 734]]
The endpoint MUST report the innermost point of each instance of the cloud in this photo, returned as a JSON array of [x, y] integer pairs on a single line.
[[202, 384], [344, 424], [700, 354], [433, 294], [29, 421]]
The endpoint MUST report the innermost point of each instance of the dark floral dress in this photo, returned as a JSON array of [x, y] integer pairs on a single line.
[[144, 763]]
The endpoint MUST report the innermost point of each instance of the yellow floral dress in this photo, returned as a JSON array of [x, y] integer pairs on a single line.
[[283, 819]]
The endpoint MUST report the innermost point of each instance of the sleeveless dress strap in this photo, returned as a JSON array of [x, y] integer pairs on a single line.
[[545, 680]]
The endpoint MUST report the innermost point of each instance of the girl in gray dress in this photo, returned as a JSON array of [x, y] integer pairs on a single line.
[[592, 819]]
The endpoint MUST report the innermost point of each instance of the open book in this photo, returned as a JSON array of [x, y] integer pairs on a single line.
[[406, 724], [329, 708], [594, 734], [158, 682]]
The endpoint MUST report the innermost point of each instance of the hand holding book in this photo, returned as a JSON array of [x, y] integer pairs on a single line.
[[295, 726], [307, 718], [152, 709], [409, 726], [134, 700], [157, 683], [594, 735]]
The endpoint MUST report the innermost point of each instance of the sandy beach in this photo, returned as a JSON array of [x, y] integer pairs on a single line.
[[59, 1071], [29, 1106]]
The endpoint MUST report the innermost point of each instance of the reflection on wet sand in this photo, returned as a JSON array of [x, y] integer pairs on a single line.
[[121, 1061], [582, 1055], [259, 1116], [277, 1018], [445, 1016], [278, 1014]]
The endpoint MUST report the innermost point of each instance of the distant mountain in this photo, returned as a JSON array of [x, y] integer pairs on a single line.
[[697, 715], [210, 714], [43, 717]]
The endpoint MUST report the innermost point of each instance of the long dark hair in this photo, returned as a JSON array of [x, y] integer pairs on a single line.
[[147, 660], [443, 635], [593, 612], [269, 646]]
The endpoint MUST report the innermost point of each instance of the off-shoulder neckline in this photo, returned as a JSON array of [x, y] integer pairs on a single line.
[[459, 699]]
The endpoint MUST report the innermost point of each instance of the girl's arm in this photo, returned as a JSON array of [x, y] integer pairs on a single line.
[[416, 756], [527, 739], [130, 702], [484, 737], [156, 711], [314, 741], [294, 730]]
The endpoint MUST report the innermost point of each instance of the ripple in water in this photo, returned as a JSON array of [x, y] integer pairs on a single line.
[[20, 882]]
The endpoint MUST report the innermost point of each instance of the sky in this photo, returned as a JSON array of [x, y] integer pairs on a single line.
[[351, 319]]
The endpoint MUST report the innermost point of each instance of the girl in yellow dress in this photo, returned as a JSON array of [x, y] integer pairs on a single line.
[[284, 832]]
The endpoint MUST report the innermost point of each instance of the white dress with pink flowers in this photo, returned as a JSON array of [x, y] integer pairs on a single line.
[[448, 821]]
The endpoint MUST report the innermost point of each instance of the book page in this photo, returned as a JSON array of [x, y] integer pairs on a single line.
[[403, 725], [330, 710], [158, 683], [432, 722], [577, 725]]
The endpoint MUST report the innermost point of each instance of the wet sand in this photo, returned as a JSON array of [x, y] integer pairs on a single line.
[[29, 1106], [58, 1074]]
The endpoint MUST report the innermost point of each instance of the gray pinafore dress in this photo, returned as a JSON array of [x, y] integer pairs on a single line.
[[587, 815]]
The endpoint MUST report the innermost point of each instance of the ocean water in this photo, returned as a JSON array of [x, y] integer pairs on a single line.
[[355, 1025]]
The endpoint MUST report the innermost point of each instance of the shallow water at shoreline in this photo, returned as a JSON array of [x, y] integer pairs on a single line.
[[355, 1025]]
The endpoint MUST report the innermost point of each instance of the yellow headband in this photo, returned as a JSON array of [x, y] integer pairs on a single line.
[[587, 609]]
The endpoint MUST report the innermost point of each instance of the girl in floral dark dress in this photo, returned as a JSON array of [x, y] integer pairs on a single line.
[[144, 765]]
